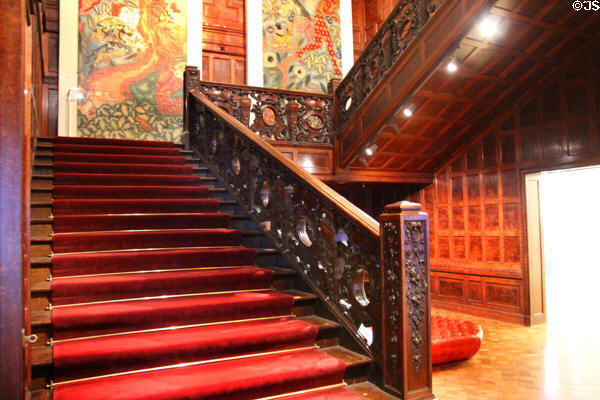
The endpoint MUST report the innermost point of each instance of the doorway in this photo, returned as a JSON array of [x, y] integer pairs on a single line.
[[563, 227]]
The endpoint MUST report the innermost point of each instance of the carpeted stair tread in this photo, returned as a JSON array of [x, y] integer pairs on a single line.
[[115, 168], [63, 178], [110, 142], [91, 222], [117, 158], [109, 262], [111, 149], [246, 378], [151, 285], [102, 318], [109, 287], [144, 239], [127, 206], [336, 393], [104, 355], [129, 192]]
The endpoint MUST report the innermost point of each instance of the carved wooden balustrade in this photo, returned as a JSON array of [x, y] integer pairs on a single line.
[[403, 25], [375, 283], [279, 115]]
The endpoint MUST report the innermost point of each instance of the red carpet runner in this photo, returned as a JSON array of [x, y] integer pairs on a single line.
[[153, 296]]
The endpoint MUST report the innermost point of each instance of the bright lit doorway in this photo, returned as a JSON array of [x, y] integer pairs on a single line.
[[563, 229], [564, 270], [570, 210]]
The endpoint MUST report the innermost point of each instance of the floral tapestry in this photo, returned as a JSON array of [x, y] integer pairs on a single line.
[[132, 54], [302, 48]]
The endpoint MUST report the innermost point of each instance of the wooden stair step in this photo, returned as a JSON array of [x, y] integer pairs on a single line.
[[43, 318], [365, 389], [47, 154], [41, 287], [41, 204], [45, 221], [47, 261], [41, 354], [41, 261], [278, 274], [357, 365], [45, 142], [370, 391], [40, 394], [47, 239], [40, 318], [327, 329], [300, 297]]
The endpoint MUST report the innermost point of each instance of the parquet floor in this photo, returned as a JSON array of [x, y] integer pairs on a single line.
[[552, 361]]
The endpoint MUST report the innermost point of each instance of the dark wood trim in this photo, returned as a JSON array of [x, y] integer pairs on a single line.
[[12, 144], [357, 175], [481, 312]]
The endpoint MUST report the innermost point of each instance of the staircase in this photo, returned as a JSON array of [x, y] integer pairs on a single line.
[[149, 282]]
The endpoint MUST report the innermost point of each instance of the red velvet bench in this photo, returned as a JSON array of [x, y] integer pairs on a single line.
[[454, 339]]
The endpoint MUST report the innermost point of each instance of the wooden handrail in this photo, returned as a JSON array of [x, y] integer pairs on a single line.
[[270, 90], [352, 211]]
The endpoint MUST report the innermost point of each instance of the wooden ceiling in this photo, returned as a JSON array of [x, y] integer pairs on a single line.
[[534, 38]]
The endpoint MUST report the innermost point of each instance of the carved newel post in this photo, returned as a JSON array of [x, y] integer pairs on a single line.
[[405, 301], [191, 80]]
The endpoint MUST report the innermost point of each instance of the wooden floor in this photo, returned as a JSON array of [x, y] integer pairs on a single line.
[[551, 361]]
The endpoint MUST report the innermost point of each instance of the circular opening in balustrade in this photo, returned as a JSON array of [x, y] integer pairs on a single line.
[[265, 193], [214, 145], [236, 166], [303, 232], [361, 287], [268, 115], [348, 103], [315, 122]]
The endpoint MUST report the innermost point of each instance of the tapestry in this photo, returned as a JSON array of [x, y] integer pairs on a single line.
[[302, 48], [132, 54]]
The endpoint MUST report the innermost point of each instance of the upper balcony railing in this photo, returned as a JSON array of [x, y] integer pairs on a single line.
[[403, 25], [277, 115]]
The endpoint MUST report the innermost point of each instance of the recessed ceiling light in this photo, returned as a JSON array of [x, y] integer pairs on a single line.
[[488, 27], [451, 67], [371, 150], [407, 112]]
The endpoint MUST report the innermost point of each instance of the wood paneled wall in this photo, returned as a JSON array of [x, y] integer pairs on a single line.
[[367, 18], [476, 205], [373, 197], [49, 111], [224, 41]]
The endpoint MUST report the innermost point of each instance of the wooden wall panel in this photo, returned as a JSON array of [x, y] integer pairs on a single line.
[[314, 160], [358, 27], [49, 88], [372, 197], [224, 41], [367, 18], [476, 203]]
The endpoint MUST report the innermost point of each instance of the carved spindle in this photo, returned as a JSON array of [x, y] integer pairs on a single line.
[[245, 104], [292, 108], [406, 309]]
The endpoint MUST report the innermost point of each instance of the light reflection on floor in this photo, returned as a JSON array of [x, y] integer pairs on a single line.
[[554, 361]]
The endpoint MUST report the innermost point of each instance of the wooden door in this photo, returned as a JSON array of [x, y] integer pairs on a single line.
[[535, 250]]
